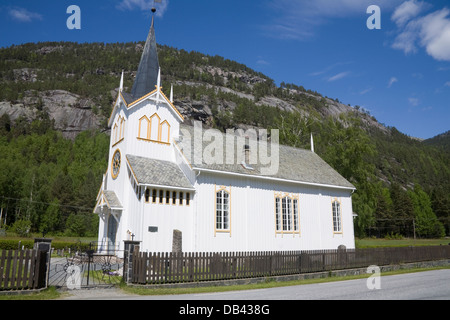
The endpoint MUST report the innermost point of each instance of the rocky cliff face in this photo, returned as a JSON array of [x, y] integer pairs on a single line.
[[200, 109], [71, 113]]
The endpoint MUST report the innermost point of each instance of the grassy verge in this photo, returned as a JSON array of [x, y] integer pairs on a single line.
[[48, 294], [378, 243]]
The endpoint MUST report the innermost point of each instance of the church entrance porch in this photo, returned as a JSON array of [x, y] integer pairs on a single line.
[[109, 210]]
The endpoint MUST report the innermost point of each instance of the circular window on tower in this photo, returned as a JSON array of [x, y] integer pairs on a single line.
[[115, 165]]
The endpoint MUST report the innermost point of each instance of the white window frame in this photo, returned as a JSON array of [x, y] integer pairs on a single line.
[[222, 217], [287, 217], [336, 210]]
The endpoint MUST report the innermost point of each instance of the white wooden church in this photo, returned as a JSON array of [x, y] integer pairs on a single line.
[[157, 184]]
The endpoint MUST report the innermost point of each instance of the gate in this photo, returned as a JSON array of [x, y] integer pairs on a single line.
[[86, 265]]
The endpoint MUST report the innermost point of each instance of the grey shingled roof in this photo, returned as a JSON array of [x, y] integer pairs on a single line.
[[147, 74], [112, 200], [294, 164], [158, 173]]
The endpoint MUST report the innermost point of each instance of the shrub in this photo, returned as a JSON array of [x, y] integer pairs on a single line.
[[22, 228]]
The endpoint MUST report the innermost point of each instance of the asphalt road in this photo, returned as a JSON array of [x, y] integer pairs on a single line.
[[430, 285]]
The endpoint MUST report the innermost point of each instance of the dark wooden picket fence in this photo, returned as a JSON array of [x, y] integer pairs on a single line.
[[22, 269], [160, 268]]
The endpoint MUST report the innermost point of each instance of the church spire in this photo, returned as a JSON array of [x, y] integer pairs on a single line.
[[147, 74]]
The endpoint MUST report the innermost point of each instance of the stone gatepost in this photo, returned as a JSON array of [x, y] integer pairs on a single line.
[[131, 247], [44, 245]]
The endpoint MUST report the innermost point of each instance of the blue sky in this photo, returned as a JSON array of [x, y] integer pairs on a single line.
[[399, 73]]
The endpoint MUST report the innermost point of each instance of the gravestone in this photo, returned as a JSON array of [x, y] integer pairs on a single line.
[[177, 241]]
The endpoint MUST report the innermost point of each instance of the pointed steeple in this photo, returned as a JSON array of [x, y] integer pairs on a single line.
[[147, 75]]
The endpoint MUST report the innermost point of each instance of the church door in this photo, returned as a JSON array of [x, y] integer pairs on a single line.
[[112, 231]]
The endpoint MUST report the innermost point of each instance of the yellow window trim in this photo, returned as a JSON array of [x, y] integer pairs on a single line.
[[112, 164], [118, 142], [222, 188], [333, 200], [159, 142], [280, 196], [144, 118], [149, 135], [168, 131], [149, 129]]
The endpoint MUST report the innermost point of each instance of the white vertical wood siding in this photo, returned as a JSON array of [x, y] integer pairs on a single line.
[[253, 216]]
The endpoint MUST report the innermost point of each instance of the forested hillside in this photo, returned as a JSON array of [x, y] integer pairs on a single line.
[[55, 99]]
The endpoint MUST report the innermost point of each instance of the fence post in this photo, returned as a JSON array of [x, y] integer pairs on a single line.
[[130, 248], [44, 247]]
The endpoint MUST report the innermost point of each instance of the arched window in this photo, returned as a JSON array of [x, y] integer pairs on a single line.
[[222, 210], [165, 132], [286, 213], [153, 130], [154, 127], [122, 128], [337, 218], [144, 126], [115, 134]]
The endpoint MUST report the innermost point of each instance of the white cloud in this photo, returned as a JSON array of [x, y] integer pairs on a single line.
[[338, 76], [144, 5], [447, 84], [435, 34], [329, 68], [23, 15], [366, 91], [431, 32], [299, 19], [408, 10], [392, 81]]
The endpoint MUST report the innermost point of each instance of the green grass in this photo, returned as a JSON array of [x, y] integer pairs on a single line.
[[98, 277], [48, 294], [406, 242]]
